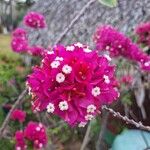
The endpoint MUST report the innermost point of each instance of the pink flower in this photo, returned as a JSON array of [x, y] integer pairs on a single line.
[[36, 133], [18, 115], [108, 38], [20, 141], [73, 82], [143, 32], [35, 20], [19, 45], [127, 79], [20, 33], [36, 51]]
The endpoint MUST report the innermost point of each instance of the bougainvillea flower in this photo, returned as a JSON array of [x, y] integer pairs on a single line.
[[35, 20], [19, 45], [36, 133], [37, 51], [127, 79], [20, 141], [143, 33], [20, 33], [117, 44], [18, 115], [72, 82]]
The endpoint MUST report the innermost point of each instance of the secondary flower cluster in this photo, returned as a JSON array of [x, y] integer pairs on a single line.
[[143, 33], [108, 38], [20, 42], [72, 82], [35, 133], [18, 115], [34, 20]]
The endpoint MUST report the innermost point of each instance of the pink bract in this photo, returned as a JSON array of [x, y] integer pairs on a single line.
[[117, 44], [35, 20], [20, 141], [72, 82], [143, 33], [36, 133], [18, 115]]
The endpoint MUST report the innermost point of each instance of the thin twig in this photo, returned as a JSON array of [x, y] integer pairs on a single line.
[[76, 18], [126, 119], [103, 129], [86, 137], [6, 121]]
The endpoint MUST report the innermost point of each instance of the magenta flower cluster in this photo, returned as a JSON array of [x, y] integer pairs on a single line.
[[143, 33], [109, 39], [72, 82], [20, 42], [34, 20], [34, 133], [18, 115]]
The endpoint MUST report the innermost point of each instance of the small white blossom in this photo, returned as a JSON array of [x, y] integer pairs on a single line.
[[79, 44], [70, 48], [106, 79], [60, 78], [107, 57], [50, 52], [82, 124], [38, 128], [147, 64], [91, 108], [55, 64], [96, 91], [119, 46], [66, 69], [50, 108], [40, 145], [63, 105], [87, 50], [59, 58], [18, 148], [89, 117], [107, 47]]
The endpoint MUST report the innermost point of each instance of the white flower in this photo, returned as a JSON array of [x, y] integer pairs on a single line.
[[106, 79], [70, 48], [59, 58], [18, 148], [50, 108], [67, 69], [96, 91], [55, 64], [40, 145], [82, 124], [38, 128], [79, 44], [91, 108], [119, 46], [89, 117], [107, 47], [60, 78], [147, 64], [63, 105], [87, 50], [107, 57], [50, 52]]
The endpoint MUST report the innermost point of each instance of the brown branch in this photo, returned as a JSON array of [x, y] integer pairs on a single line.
[[105, 115], [86, 137], [126, 119], [6, 121], [76, 18]]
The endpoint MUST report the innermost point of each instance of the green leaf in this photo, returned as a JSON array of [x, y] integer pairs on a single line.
[[109, 3]]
